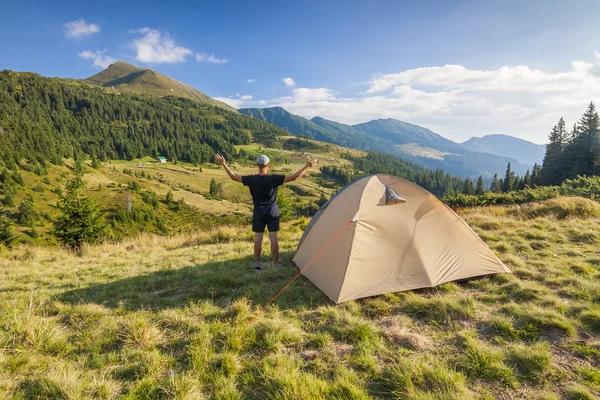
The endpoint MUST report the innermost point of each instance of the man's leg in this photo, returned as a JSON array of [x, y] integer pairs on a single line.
[[258, 238], [274, 246]]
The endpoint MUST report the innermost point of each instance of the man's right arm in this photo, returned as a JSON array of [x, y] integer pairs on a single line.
[[235, 177], [310, 162]]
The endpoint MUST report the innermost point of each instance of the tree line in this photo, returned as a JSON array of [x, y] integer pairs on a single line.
[[49, 119], [573, 153]]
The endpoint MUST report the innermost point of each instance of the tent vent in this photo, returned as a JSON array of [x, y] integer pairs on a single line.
[[392, 197]]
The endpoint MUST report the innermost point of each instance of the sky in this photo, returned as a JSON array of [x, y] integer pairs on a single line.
[[461, 68]]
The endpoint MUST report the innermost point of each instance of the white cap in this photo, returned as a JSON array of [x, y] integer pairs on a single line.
[[263, 160]]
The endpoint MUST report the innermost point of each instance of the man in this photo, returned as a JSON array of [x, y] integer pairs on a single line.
[[263, 188]]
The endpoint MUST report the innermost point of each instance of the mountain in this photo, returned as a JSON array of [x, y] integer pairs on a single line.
[[411, 142], [504, 145], [404, 133], [124, 77], [292, 123]]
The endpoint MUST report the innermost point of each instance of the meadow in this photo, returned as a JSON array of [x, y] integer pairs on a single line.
[[176, 317]]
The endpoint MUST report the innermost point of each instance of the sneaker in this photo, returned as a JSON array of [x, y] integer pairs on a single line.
[[257, 267]]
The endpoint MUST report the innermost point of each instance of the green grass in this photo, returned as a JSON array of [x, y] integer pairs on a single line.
[[160, 317]]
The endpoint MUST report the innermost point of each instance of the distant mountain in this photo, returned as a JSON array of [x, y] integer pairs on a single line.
[[508, 146], [124, 77], [292, 123], [411, 142], [404, 133]]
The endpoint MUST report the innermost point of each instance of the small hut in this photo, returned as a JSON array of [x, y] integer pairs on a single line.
[[161, 160]]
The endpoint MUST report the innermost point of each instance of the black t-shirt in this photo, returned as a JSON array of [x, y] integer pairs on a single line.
[[263, 189]]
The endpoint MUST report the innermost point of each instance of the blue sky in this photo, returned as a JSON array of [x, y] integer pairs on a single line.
[[460, 68]]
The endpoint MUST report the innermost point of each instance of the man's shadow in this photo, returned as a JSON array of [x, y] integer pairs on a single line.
[[218, 282]]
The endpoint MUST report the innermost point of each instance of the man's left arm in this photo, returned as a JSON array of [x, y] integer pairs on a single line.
[[310, 162], [234, 177]]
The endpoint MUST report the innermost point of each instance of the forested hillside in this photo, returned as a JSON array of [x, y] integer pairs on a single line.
[[48, 119]]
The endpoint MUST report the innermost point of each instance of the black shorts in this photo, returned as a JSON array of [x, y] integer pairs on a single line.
[[260, 221]]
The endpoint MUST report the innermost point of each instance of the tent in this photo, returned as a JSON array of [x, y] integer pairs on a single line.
[[383, 234]]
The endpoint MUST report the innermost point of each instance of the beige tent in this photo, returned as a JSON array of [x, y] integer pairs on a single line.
[[394, 236]]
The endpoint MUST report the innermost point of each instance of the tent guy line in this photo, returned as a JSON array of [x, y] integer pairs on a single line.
[[301, 270]]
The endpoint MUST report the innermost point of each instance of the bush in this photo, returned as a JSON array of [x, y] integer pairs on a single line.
[[588, 187]]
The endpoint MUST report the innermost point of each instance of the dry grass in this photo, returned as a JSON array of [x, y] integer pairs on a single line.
[[171, 317]]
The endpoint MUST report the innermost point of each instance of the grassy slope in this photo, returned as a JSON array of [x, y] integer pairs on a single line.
[[108, 186], [171, 317]]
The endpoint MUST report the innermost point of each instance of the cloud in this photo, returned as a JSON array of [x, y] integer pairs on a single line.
[[158, 47], [250, 80], [101, 60], [458, 102], [80, 28], [201, 57], [235, 101], [289, 82]]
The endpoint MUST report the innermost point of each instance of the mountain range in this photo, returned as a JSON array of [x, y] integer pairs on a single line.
[[478, 156]]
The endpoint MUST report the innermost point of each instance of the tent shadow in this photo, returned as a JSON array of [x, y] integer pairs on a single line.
[[218, 282]]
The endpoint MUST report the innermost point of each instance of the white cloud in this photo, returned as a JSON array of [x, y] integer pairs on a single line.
[[158, 47], [201, 57], [289, 82], [100, 58], [250, 80], [235, 101], [458, 102], [79, 28]]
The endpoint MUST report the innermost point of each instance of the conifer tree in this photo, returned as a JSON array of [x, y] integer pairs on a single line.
[[7, 235], [468, 187], [480, 189], [169, 197], [213, 191], [535, 174], [527, 179], [508, 179], [552, 165], [26, 214], [81, 220], [495, 185]]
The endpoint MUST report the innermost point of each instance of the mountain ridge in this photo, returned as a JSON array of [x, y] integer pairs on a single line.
[[412, 142], [520, 149]]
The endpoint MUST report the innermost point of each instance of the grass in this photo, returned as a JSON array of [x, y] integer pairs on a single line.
[[175, 317]]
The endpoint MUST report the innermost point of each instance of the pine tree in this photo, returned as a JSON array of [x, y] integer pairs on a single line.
[[169, 197], [508, 180], [81, 220], [26, 214], [495, 185], [527, 179], [536, 174], [468, 187], [213, 192], [96, 164], [584, 145], [480, 189], [7, 235], [552, 168]]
